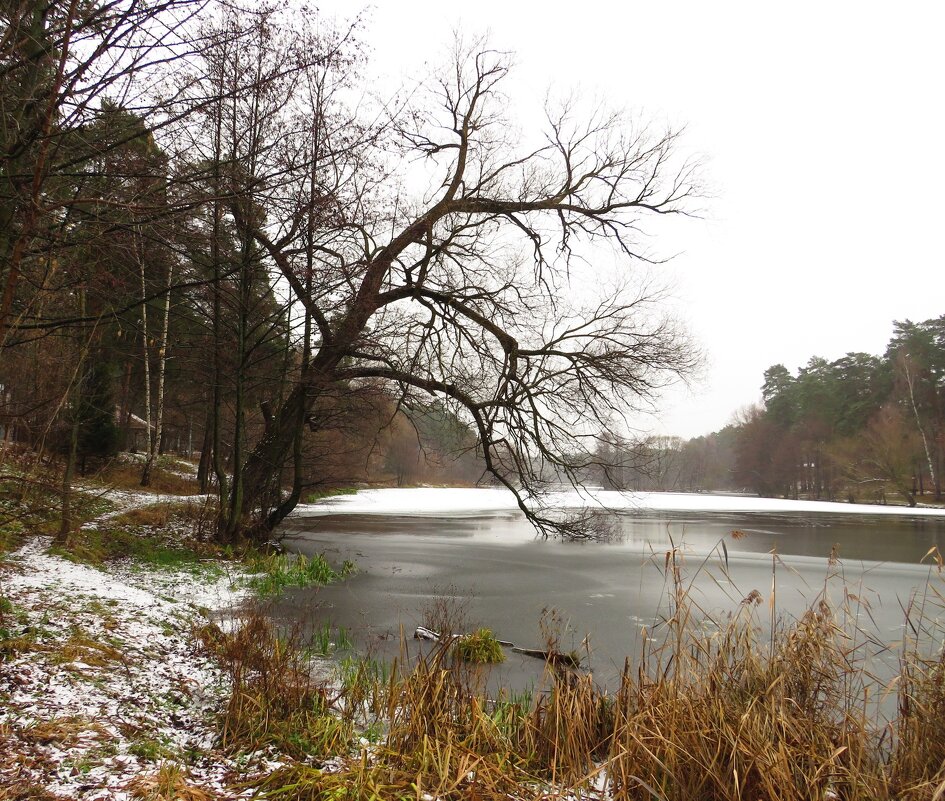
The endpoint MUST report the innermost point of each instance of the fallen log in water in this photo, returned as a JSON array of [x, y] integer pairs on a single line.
[[553, 657], [423, 633]]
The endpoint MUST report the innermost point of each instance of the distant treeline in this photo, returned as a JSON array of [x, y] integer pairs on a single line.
[[860, 428]]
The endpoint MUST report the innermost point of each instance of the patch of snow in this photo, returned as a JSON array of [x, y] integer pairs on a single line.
[[420, 501], [435, 501], [169, 463]]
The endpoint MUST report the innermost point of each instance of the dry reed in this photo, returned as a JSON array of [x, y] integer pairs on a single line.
[[713, 710]]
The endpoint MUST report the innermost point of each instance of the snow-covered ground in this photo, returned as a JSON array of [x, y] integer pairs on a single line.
[[126, 500], [108, 682], [437, 501]]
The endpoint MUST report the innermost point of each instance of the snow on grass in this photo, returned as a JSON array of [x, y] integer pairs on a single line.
[[429, 501], [126, 500], [169, 463], [105, 684]]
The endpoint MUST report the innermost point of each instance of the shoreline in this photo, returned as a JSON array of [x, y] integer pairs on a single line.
[[117, 686], [431, 501]]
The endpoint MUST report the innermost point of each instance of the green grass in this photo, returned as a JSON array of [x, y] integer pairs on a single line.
[[139, 535], [151, 750], [33, 504], [480, 647], [327, 640], [315, 497], [277, 572], [98, 546], [12, 623], [355, 670], [364, 682]]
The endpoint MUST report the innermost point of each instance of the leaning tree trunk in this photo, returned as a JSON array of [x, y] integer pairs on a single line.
[[918, 422], [266, 460]]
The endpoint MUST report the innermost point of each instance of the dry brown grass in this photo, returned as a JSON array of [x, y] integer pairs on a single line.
[[128, 477], [725, 720], [14, 789], [169, 783], [18, 772], [199, 516], [917, 767], [88, 651], [715, 710], [274, 700], [157, 514], [64, 731]]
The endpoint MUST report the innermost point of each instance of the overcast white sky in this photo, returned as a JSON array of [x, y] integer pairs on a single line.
[[823, 129]]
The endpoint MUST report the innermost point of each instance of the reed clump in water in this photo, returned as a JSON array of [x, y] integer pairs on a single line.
[[274, 700], [724, 710], [917, 763], [724, 716], [480, 647]]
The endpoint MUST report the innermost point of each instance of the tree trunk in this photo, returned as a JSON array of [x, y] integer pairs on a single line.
[[65, 521], [918, 421], [217, 402], [267, 458], [42, 121], [938, 472], [146, 354], [124, 413], [234, 518], [162, 371], [203, 468], [285, 507]]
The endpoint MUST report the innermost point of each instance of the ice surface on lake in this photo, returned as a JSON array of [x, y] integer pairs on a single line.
[[436, 501]]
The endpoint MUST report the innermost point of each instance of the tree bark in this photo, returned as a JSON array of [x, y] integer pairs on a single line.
[[203, 467], [146, 355], [68, 474], [918, 421], [155, 441]]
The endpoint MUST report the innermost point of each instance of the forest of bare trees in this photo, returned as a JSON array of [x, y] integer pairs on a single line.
[[215, 238]]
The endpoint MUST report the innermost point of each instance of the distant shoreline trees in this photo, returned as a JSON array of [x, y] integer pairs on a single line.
[[859, 428]]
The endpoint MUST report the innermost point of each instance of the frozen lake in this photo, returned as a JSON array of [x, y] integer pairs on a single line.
[[414, 546]]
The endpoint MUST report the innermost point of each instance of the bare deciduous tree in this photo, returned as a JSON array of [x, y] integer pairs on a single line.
[[486, 292]]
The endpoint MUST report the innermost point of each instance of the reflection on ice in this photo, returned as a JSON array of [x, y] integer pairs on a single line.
[[408, 542]]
